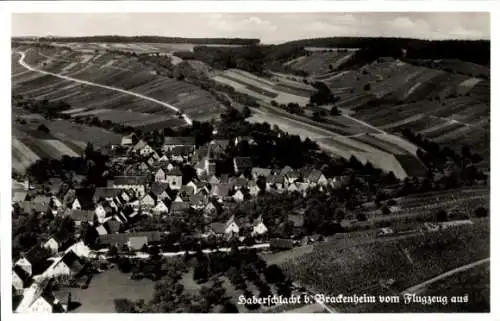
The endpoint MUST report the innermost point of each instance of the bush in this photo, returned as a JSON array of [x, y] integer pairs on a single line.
[[367, 87], [481, 212]]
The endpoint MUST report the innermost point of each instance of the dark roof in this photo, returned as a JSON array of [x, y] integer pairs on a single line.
[[158, 188], [243, 162], [122, 238], [218, 227], [85, 198], [82, 215], [186, 190], [23, 275], [314, 175], [130, 180], [186, 140], [73, 262], [106, 192], [112, 226], [38, 256], [180, 150]]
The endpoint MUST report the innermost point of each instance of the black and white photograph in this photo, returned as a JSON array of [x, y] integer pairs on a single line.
[[250, 162]]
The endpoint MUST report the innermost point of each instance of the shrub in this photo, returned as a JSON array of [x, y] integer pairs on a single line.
[[43, 129]]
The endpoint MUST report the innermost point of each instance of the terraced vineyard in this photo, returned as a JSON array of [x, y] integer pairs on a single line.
[[108, 69], [368, 267]]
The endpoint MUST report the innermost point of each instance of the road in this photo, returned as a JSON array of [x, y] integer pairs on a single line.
[[89, 83], [421, 286], [365, 124]]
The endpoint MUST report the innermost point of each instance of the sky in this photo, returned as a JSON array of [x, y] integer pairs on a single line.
[[269, 27]]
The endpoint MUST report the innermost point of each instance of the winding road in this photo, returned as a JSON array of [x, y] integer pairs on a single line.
[[23, 63]]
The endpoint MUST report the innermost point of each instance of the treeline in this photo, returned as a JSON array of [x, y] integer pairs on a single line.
[[477, 51], [48, 109], [154, 39]]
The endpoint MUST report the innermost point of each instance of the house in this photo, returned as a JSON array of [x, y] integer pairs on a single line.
[[143, 167], [126, 141], [136, 243], [231, 227], [259, 228], [210, 208], [102, 212], [159, 190], [20, 278], [253, 188], [148, 201], [339, 181], [238, 182], [292, 187], [238, 196], [240, 139], [160, 208], [113, 226], [198, 201], [259, 171], [160, 176], [174, 179], [217, 147], [316, 177], [80, 249], [69, 264], [44, 303], [180, 153], [52, 245], [275, 181], [142, 148], [242, 164], [135, 183], [221, 190], [24, 264], [123, 238], [80, 216], [170, 142]]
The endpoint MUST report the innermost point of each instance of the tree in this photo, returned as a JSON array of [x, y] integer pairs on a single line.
[[335, 111], [442, 216], [43, 129], [481, 212], [367, 87], [229, 307], [273, 274], [246, 112], [386, 210]]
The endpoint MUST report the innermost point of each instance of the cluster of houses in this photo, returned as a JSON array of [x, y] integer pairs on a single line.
[[32, 273], [159, 190]]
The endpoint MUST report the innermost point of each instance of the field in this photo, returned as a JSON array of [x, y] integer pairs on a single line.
[[107, 80], [319, 62], [279, 89], [367, 268], [64, 138], [105, 288]]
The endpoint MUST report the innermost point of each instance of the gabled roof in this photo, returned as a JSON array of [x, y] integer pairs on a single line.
[[73, 261], [238, 181], [122, 238], [221, 189], [140, 145], [82, 216], [275, 179], [130, 180], [186, 190], [198, 199], [243, 162], [22, 274], [177, 141]]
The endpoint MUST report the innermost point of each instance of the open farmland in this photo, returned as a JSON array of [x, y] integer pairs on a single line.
[[367, 268], [283, 92]]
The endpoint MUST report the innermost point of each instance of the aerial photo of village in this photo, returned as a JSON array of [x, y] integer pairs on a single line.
[[250, 162]]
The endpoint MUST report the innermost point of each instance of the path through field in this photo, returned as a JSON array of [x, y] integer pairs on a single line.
[[25, 65], [421, 286]]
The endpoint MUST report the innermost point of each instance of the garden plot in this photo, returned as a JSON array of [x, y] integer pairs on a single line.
[[320, 62], [60, 91], [398, 141], [436, 132], [466, 86], [380, 144]]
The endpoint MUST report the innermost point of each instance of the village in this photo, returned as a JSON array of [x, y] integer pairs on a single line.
[[156, 190]]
